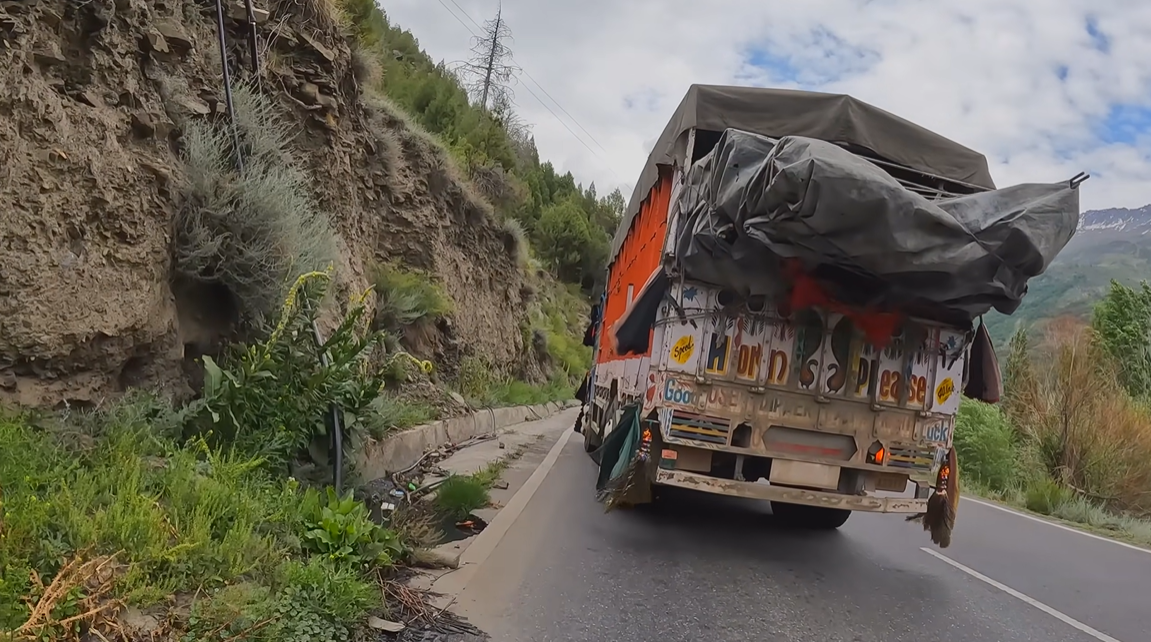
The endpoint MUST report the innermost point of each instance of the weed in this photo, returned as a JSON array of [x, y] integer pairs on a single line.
[[475, 379], [252, 229], [459, 495], [341, 529], [417, 528]]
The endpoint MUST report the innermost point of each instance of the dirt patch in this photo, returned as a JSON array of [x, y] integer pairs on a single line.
[[93, 97]]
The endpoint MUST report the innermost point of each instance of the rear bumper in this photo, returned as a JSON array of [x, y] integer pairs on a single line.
[[715, 485]]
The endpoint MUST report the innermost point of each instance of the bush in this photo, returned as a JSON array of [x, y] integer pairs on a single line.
[[1044, 496], [1085, 430], [984, 443], [405, 298], [254, 229]]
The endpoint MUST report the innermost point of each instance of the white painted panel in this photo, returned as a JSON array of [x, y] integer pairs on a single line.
[[810, 333], [949, 373], [683, 336], [780, 354]]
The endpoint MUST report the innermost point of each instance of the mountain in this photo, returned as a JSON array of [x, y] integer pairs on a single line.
[[1109, 244]]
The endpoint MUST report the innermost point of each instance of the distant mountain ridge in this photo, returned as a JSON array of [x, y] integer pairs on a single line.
[[1116, 219], [1113, 243]]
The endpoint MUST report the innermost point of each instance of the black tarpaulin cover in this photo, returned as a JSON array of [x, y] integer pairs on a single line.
[[753, 205]]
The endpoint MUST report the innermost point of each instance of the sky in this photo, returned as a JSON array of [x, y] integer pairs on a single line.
[[1045, 89]]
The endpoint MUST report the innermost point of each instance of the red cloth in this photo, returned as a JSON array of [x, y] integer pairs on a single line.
[[806, 293]]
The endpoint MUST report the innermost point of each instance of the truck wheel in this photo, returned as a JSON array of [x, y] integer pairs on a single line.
[[810, 517], [589, 446], [593, 441]]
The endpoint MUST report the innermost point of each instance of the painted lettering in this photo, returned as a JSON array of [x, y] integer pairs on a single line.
[[865, 377], [747, 366], [677, 393], [889, 385], [944, 390], [717, 353], [683, 349], [918, 390], [777, 368]]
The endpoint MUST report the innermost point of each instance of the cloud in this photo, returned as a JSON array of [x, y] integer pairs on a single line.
[[1044, 89]]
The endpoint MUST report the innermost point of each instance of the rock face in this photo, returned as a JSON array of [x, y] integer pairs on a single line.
[[92, 100]]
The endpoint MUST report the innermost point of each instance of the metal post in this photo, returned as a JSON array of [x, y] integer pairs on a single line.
[[253, 45], [336, 445], [228, 83]]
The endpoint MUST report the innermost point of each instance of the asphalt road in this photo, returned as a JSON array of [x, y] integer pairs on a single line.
[[710, 569]]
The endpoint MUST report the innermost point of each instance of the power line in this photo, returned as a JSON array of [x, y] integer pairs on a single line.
[[540, 101], [589, 134], [478, 26], [457, 17]]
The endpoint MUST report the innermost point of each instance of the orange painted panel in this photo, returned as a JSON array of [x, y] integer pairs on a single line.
[[638, 257]]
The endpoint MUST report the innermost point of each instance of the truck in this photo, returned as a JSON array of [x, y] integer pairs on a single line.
[[769, 319]]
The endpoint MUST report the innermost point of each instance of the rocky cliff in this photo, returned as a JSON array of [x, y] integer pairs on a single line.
[[95, 99]]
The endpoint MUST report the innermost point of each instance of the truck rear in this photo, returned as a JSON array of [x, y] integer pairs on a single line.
[[767, 329]]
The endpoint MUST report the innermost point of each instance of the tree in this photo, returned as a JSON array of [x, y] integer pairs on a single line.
[[1122, 324], [489, 72]]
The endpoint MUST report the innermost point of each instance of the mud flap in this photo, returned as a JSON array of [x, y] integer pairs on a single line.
[[625, 470]]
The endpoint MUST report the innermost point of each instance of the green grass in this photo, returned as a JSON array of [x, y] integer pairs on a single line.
[[1064, 506], [390, 413], [459, 495], [180, 519], [483, 387]]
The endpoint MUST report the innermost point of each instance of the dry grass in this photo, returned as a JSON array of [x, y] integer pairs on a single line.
[[1080, 425], [254, 229], [323, 15], [386, 114], [87, 580]]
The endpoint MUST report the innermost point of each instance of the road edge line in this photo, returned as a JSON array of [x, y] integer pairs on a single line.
[[472, 557], [1058, 615], [1065, 527]]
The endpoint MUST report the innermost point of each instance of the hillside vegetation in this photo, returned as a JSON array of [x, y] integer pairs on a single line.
[[1072, 437], [1110, 245], [358, 190], [569, 225]]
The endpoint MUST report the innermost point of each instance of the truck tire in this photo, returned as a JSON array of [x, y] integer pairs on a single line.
[[593, 439], [810, 517]]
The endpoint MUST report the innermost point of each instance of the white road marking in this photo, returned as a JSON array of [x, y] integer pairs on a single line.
[[1056, 524], [1067, 619], [453, 583]]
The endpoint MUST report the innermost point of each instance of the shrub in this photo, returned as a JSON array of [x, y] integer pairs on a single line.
[[405, 298], [459, 495], [1084, 429], [1044, 495], [984, 444], [271, 399], [253, 229]]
